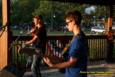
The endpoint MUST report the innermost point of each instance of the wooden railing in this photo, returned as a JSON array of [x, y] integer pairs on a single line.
[[55, 44]]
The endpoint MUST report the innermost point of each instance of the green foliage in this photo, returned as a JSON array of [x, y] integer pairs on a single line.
[[21, 11], [53, 12]]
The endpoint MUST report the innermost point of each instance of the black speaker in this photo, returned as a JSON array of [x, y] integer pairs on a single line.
[[5, 73], [11, 71]]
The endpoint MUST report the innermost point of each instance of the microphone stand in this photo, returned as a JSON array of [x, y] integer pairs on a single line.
[[3, 29]]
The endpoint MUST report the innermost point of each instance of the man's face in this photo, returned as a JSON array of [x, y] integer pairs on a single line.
[[36, 21], [69, 24]]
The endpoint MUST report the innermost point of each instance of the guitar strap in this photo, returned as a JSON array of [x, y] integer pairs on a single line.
[[67, 46]]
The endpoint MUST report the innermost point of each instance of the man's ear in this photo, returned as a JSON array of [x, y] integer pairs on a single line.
[[74, 22]]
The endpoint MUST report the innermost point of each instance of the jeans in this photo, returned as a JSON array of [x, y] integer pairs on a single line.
[[35, 66], [34, 62]]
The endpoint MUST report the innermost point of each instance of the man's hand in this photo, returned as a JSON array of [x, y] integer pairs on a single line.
[[27, 43], [47, 61]]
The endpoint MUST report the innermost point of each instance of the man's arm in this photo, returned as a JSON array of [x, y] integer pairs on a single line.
[[32, 40], [68, 63]]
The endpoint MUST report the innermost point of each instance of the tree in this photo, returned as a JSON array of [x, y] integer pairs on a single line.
[[52, 11], [21, 10]]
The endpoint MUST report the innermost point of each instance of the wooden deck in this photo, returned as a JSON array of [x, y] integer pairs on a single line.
[[96, 70], [101, 70]]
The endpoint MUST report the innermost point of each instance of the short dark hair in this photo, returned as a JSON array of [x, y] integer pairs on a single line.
[[38, 17], [76, 15]]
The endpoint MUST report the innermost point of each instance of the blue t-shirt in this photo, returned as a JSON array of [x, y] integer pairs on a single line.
[[78, 49]]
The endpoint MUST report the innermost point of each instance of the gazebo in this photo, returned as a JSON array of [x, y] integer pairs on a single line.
[[4, 34]]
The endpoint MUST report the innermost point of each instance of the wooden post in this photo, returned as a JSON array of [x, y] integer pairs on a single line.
[[4, 36], [110, 17], [109, 22]]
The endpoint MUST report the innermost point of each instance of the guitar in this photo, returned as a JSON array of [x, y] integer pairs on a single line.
[[59, 57]]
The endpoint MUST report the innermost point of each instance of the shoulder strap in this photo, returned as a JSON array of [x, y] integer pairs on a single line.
[[67, 46]]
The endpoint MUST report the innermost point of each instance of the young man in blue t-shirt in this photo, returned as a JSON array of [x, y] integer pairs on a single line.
[[76, 64]]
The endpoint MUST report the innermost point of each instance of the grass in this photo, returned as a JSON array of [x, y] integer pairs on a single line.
[[57, 33], [22, 33]]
